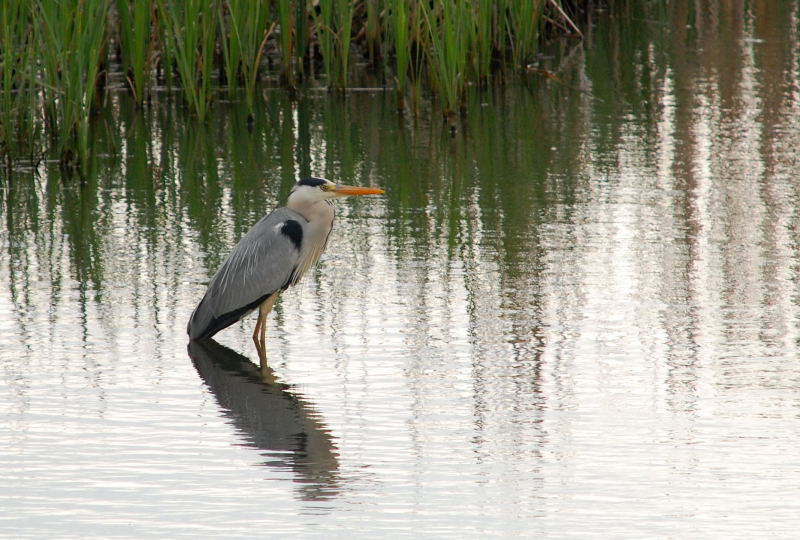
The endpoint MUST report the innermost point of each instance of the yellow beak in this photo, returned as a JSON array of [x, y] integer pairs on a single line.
[[355, 190]]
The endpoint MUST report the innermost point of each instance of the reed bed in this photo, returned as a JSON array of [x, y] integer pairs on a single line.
[[55, 55]]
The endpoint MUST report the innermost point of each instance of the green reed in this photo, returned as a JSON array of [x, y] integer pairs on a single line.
[[244, 33], [333, 25], [72, 41], [189, 30], [17, 98], [418, 43], [448, 28], [136, 45], [481, 39], [402, 49], [372, 30], [230, 15], [323, 27], [301, 34], [286, 22], [344, 12], [522, 21]]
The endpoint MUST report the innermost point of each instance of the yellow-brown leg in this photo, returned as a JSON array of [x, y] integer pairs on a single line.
[[259, 346], [259, 322], [264, 329], [260, 331]]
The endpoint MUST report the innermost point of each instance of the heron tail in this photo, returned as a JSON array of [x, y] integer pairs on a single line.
[[201, 323]]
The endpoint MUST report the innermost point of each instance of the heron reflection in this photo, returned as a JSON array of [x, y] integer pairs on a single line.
[[271, 417]]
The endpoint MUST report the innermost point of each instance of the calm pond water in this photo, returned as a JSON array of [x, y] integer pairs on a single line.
[[578, 318]]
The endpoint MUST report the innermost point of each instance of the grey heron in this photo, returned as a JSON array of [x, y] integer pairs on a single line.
[[270, 257]]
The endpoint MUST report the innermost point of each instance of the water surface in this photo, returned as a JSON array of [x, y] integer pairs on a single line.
[[577, 318]]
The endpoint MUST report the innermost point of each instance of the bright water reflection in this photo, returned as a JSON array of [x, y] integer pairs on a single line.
[[579, 318]]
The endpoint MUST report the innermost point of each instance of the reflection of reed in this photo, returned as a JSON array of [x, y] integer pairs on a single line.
[[270, 417]]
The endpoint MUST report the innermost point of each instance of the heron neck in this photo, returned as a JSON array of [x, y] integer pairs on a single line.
[[320, 217], [317, 211]]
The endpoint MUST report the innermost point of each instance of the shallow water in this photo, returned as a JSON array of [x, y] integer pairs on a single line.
[[578, 318]]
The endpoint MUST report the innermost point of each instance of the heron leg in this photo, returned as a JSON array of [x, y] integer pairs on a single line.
[[260, 331], [263, 336], [257, 328]]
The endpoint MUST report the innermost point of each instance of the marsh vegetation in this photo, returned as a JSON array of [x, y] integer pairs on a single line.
[[59, 59]]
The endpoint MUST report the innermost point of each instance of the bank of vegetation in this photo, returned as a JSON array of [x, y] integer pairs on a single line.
[[58, 56]]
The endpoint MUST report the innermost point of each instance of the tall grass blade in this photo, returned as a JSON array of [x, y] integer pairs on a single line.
[[323, 26], [402, 49], [190, 33], [481, 42], [17, 92], [447, 29], [344, 14], [72, 47], [301, 34], [523, 23], [333, 25], [136, 44], [373, 31], [286, 21], [231, 14], [243, 25]]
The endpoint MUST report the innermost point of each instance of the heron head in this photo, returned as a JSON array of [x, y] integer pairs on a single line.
[[313, 190]]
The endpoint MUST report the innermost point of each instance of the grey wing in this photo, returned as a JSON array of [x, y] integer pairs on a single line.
[[259, 265]]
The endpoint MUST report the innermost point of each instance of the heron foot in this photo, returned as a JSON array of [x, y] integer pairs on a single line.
[[261, 349]]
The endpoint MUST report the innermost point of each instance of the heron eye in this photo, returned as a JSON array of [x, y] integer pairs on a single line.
[[325, 187]]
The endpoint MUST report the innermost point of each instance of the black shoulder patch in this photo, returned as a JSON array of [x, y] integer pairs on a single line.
[[313, 182], [292, 230]]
